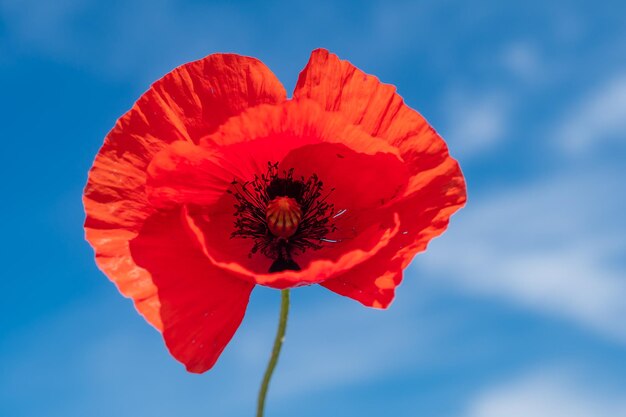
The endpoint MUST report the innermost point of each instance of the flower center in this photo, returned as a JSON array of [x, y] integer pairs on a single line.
[[283, 215]]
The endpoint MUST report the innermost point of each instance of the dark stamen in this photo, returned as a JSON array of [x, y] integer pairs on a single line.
[[313, 216]]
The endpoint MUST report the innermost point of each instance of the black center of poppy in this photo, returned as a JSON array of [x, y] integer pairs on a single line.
[[283, 215]]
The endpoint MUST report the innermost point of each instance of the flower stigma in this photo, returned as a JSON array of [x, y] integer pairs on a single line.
[[283, 215]]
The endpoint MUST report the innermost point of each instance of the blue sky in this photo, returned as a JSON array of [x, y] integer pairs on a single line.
[[518, 310]]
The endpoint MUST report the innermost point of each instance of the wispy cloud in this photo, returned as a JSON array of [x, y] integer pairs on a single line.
[[476, 122], [522, 58], [547, 393], [547, 246], [598, 117]]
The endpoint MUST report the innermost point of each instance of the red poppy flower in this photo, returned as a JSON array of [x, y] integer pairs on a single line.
[[214, 182]]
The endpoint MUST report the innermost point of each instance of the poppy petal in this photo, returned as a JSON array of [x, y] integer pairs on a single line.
[[294, 123], [364, 173], [371, 287], [371, 241], [358, 238], [375, 107], [185, 105], [435, 190], [184, 172], [200, 306], [114, 259], [424, 215]]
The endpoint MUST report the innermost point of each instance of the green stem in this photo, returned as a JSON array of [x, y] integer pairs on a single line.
[[278, 343]]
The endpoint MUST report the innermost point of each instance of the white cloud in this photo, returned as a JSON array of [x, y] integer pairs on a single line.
[[597, 118], [550, 246], [475, 122], [522, 59], [547, 393]]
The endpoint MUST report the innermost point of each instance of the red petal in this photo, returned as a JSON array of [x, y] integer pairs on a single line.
[[359, 182], [423, 216], [338, 86], [366, 245], [436, 188], [365, 173], [201, 307], [183, 172], [372, 284], [187, 104], [374, 107]]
